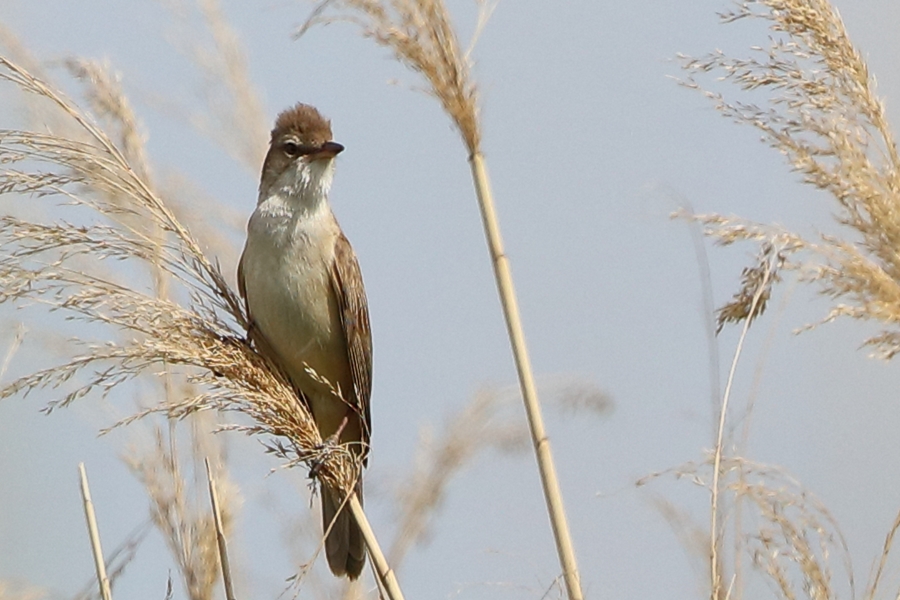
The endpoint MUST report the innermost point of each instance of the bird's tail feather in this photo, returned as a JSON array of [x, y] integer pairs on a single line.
[[344, 545]]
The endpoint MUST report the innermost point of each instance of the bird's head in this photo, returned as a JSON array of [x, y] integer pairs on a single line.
[[300, 161]]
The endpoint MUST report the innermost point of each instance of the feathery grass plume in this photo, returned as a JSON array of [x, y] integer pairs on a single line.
[[756, 288], [422, 37], [788, 535], [797, 537], [822, 113], [108, 101], [201, 331], [814, 101]]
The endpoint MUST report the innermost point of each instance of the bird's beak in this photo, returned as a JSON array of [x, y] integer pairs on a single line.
[[326, 150]]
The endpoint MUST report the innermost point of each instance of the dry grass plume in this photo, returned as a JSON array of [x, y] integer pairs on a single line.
[[821, 111], [814, 101]]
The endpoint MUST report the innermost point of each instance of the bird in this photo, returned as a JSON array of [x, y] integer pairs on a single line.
[[307, 307]]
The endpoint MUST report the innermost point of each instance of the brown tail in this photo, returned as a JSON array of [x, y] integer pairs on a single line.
[[344, 545]]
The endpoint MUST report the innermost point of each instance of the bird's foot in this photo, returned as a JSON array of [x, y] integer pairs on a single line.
[[328, 445]]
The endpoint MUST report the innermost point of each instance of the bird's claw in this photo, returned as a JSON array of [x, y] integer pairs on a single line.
[[329, 444]]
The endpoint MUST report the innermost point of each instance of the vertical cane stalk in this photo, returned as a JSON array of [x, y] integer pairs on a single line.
[[539, 438], [94, 533], [221, 543], [383, 571]]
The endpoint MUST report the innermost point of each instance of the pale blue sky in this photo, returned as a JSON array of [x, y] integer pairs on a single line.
[[590, 146]]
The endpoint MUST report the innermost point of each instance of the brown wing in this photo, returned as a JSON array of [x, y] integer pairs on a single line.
[[347, 283]]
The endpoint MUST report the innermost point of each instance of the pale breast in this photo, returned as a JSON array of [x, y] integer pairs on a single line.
[[287, 277]]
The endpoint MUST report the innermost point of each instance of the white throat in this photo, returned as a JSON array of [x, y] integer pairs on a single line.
[[303, 186]]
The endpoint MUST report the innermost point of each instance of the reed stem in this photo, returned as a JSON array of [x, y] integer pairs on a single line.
[[505, 288], [94, 533]]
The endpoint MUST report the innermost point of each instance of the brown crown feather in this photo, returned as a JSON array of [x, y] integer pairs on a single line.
[[305, 122]]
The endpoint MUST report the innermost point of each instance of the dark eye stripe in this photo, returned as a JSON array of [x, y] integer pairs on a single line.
[[294, 149]]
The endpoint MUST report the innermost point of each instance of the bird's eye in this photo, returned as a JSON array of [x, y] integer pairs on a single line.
[[292, 149]]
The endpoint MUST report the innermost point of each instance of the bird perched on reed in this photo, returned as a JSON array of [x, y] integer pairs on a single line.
[[304, 293]]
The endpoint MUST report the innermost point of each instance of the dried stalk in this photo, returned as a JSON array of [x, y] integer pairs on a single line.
[[90, 517], [758, 294], [505, 288], [220, 534], [383, 570]]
